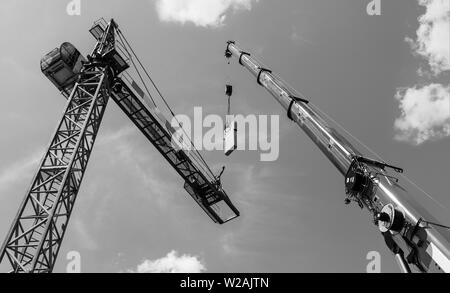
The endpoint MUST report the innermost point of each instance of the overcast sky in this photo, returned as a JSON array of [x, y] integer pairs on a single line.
[[384, 78]]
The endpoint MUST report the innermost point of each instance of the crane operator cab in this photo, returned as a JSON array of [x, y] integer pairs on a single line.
[[62, 66]]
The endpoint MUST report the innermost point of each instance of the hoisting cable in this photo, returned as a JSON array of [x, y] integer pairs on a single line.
[[139, 74], [434, 224], [122, 37], [219, 177], [229, 87], [230, 130], [153, 101]]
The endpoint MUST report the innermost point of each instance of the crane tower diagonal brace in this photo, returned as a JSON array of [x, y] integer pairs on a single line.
[[207, 193], [35, 237], [367, 181], [36, 234]]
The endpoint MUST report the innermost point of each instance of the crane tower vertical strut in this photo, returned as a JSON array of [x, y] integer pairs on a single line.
[[39, 227], [36, 234]]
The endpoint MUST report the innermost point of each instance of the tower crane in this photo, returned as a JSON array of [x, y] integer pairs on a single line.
[[411, 233], [36, 234]]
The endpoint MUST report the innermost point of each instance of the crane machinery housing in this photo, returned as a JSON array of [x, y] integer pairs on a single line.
[[36, 234], [412, 234]]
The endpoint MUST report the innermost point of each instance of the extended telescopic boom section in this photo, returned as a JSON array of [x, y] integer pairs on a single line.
[[404, 224], [35, 237]]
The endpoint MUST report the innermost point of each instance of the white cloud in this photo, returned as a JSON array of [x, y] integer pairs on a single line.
[[425, 113], [15, 172], [298, 38], [228, 243], [19, 170], [205, 13], [171, 263], [433, 35]]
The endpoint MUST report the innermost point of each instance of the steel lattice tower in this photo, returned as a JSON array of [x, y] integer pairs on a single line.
[[35, 238]]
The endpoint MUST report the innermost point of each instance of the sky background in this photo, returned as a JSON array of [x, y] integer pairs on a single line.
[[382, 77]]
